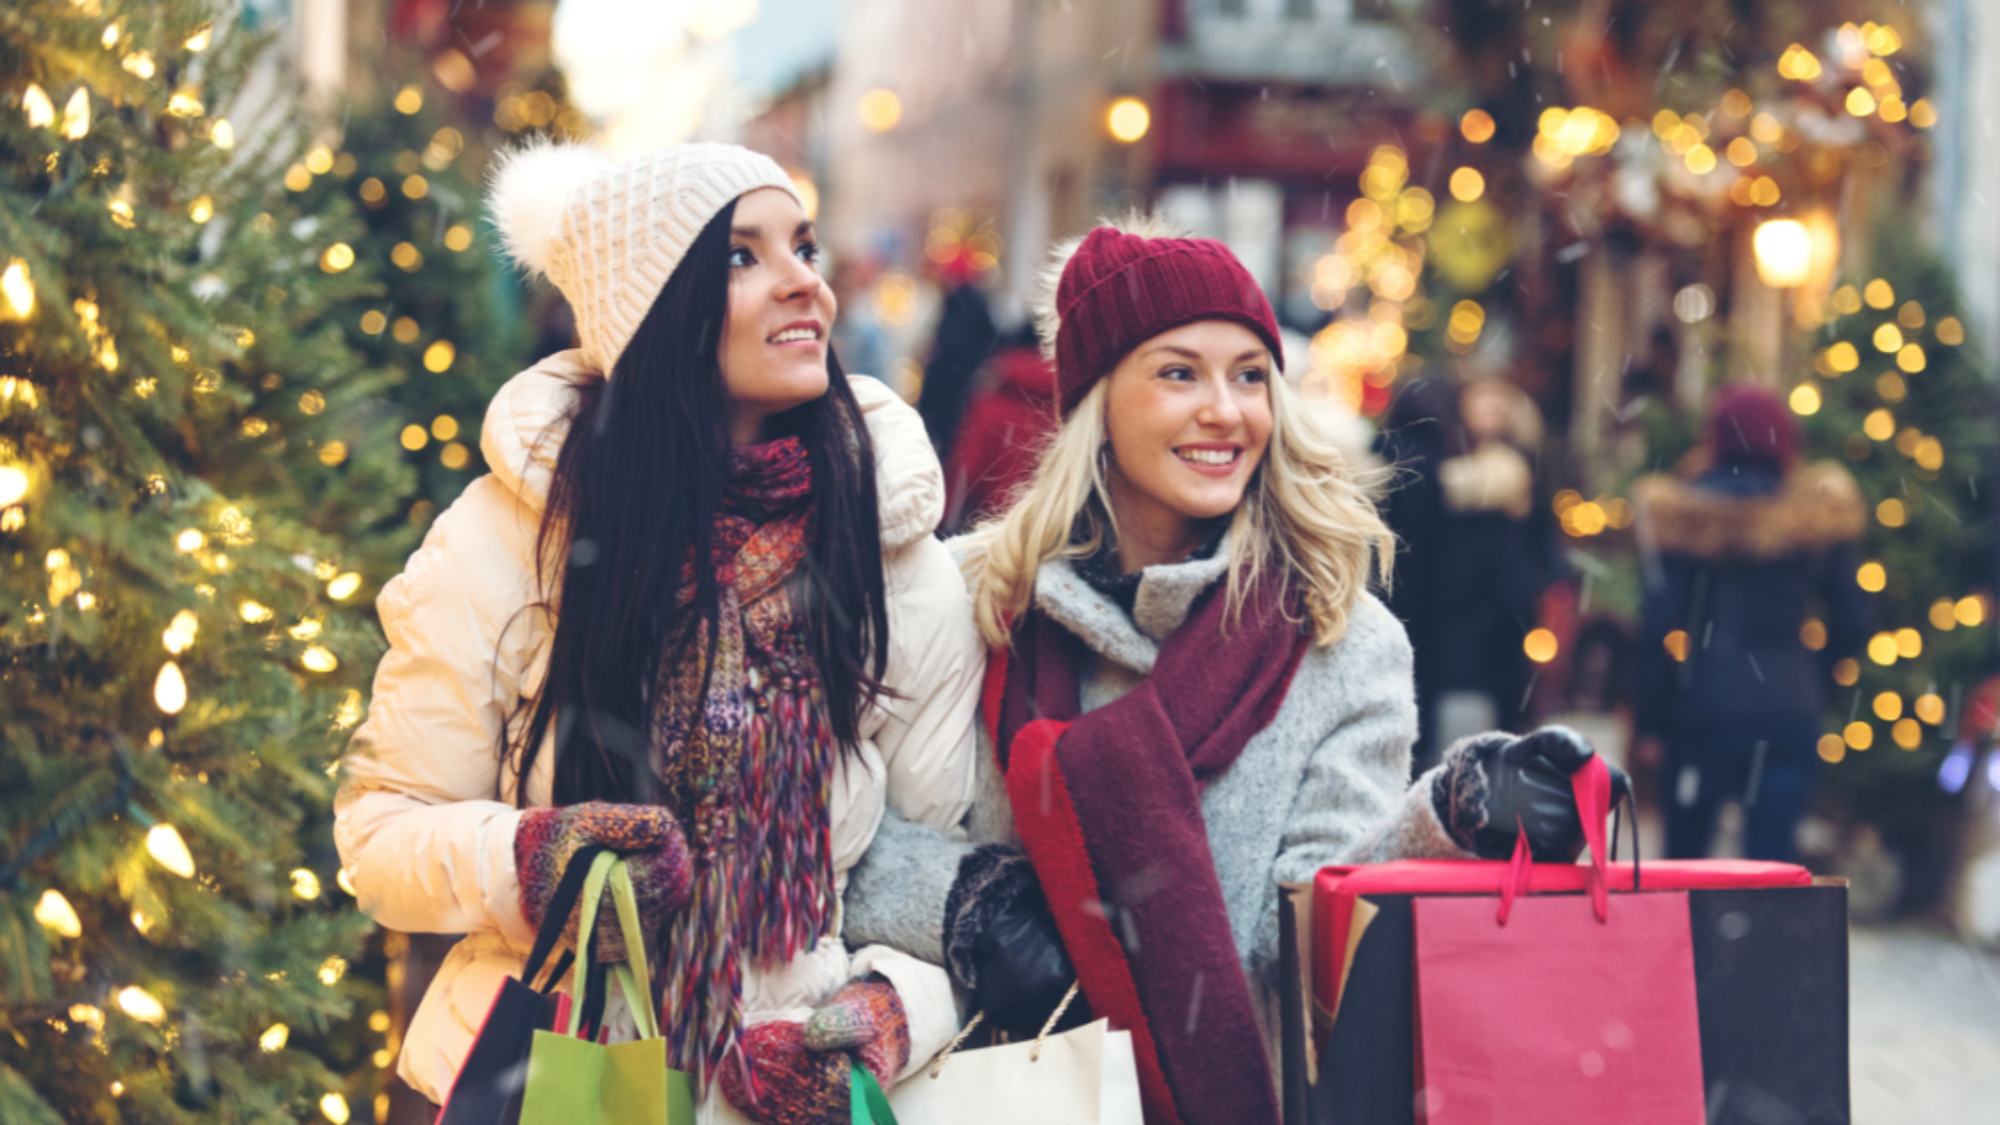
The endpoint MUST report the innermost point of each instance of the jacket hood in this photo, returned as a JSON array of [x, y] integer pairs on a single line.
[[1814, 506], [527, 422]]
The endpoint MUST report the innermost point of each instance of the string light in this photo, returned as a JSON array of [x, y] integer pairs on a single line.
[[76, 115], [318, 659], [305, 884], [274, 1038], [180, 633], [54, 912], [222, 134], [35, 103], [343, 587], [170, 691], [200, 39], [164, 844], [334, 1107], [140, 1005], [1540, 646]]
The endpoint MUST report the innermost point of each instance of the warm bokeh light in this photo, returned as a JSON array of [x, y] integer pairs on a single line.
[[1784, 253], [164, 843], [1128, 119], [1871, 577], [140, 1005], [170, 691], [1805, 400], [54, 912], [1467, 184], [1859, 735], [880, 110], [1477, 126], [1540, 645]]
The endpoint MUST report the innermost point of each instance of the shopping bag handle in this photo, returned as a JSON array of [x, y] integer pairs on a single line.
[[556, 918], [633, 975], [1591, 785], [868, 1104]]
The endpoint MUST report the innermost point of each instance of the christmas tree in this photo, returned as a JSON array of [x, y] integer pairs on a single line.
[[190, 452]]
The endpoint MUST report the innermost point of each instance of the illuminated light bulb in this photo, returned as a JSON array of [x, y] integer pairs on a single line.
[[274, 1038], [337, 257], [164, 844], [343, 587], [331, 970], [1832, 748], [1700, 160], [1909, 644], [307, 628], [54, 912], [318, 659], [202, 209], [1930, 708], [140, 1005], [18, 290], [416, 187], [1941, 615], [141, 923], [1888, 706], [1540, 646], [1891, 514], [409, 99], [1910, 357], [457, 238], [1784, 253], [1950, 331], [1971, 612], [1477, 125], [1467, 184], [200, 40], [1846, 671], [222, 134], [13, 485], [1812, 634], [185, 104], [1888, 338], [1128, 119], [139, 63], [1859, 735], [1805, 400], [255, 613], [190, 541], [76, 115], [1923, 114], [1860, 102], [181, 632], [444, 427], [345, 882], [305, 884], [170, 692], [35, 103], [415, 437], [334, 1107]]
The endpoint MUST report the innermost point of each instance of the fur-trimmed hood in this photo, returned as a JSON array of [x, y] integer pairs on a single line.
[[1815, 506]]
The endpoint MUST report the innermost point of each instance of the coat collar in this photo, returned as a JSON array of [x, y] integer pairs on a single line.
[[1815, 506], [1132, 641]]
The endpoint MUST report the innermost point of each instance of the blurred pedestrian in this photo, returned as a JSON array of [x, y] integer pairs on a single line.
[[1739, 557], [1002, 435], [1420, 431], [965, 337], [1494, 564]]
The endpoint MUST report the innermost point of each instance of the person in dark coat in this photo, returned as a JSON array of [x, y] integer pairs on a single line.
[[965, 337], [1733, 679], [1419, 433], [1492, 566]]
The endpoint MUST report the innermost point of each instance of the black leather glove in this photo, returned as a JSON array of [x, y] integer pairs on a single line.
[[1493, 782], [1002, 945]]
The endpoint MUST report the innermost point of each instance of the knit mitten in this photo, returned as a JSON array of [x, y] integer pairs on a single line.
[[865, 1016], [656, 858], [1492, 787], [794, 1085]]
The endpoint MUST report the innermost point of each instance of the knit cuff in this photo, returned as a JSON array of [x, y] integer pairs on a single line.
[[1459, 793], [989, 879]]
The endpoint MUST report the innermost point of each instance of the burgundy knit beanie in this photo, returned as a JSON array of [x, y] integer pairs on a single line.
[[1750, 424], [1119, 290]]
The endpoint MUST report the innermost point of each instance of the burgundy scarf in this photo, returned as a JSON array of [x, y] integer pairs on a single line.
[[1109, 807]]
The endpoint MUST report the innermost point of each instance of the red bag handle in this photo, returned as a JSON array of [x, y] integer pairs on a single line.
[[1591, 784]]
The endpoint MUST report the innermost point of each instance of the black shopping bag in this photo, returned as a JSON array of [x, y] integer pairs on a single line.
[[494, 1074]]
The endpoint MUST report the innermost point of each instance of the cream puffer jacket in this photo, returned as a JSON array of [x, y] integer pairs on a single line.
[[425, 816]]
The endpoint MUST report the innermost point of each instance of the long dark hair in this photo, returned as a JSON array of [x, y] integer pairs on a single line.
[[634, 498]]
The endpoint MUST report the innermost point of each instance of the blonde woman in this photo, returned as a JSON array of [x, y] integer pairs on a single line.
[[1191, 695]]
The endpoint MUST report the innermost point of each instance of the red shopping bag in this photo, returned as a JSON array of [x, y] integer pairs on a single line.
[[1558, 1008]]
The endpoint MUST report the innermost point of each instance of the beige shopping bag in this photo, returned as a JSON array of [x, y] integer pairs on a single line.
[[1088, 1076]]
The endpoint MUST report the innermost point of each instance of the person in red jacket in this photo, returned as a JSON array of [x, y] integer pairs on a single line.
[[1002, 436]]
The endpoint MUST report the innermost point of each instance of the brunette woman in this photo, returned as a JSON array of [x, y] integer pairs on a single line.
[[694, 613], [1192, 695]]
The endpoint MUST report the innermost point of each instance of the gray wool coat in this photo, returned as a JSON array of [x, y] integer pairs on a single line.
[[1325, 783]]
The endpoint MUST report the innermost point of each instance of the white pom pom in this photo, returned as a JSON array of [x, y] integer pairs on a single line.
[[526, 192]]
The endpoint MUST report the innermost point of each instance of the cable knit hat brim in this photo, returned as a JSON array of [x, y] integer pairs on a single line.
[[609, 233]]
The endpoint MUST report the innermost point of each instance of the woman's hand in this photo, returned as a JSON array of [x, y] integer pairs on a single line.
[[1495, 786], [650, 839], [1001, 943], [803, 1071]]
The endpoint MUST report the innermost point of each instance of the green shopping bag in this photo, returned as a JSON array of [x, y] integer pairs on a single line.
[[574, 1081]]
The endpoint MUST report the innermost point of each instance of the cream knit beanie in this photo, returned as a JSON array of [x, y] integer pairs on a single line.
[[608, 232]]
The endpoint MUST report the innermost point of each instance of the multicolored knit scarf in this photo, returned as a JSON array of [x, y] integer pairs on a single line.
[[742, 744]]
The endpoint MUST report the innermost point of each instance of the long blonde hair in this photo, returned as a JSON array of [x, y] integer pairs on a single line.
[[1307, 516]]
